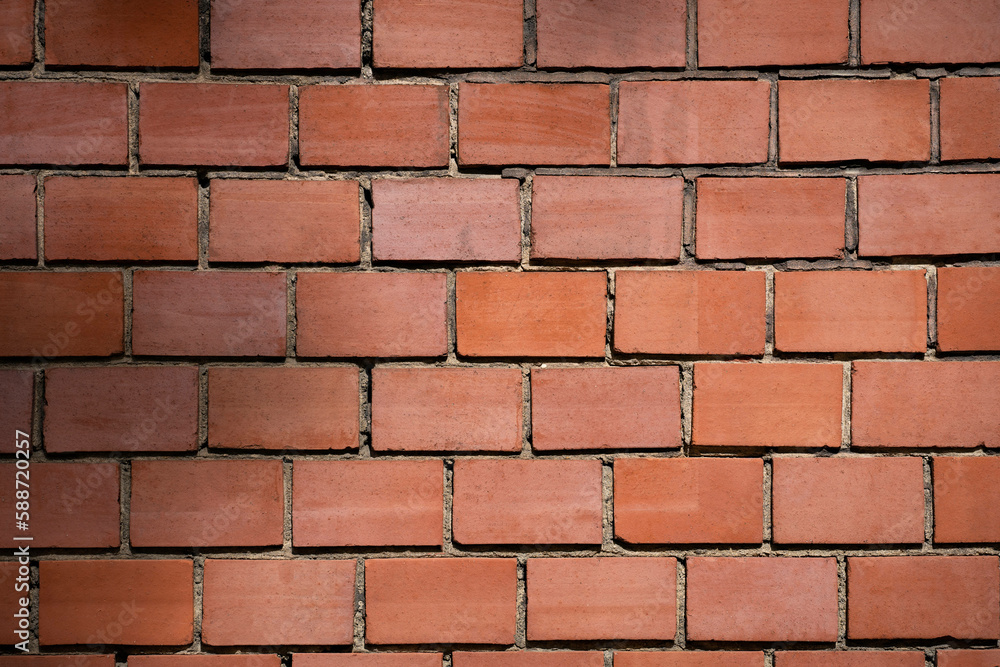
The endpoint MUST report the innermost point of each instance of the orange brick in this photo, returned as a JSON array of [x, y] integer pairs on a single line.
[[848, 658], [968, 308], [970, 118], [509, 501], [877, 500], [380, 126], [968, 657], [689, 312], [18, 238], [528, 659], [18, 19], [379, 659], [966, 499], [536, 314], [767, 405], [692, 122], [961, 31], [922, 597], [371, 315], [689, 658], [220, 660], [446, 409], [17, 390], [556, 124], [838, 119]]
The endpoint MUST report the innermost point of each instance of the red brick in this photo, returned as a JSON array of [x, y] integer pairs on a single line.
[[923, 404], [861, 658], [320, 221], [771, 32], [448, 33], [283, 408], [599, 217], [970, 118], [213, 124], [121, 33], [528, 659], [208, 313], [74, 660], [762, 599], [221, 660], [555, 124], [689, 312], [17, 389], [441, 219], [602, 598], [73, 505], [371, 315], [379, 126], [379, 659], [16, 580], [770, 217], [966, 499], [123, 408], [279, 34], [692, 122], [100, 602], [446, 409], [107, 219], [839, 119], [60, 122], [689, 500], [206, 503], [923, 597], [440, 600], [61, 314], [968, 308], [928, 32], [17, 216], [968, 658], [605, 408], [367, 503], [689, 658], [278, 602], [509, 501], [18, 19], [590, 34], [848, 501], [767, 405], [537, 314]]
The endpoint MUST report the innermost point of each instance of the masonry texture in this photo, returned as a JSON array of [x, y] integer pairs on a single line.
[[512, 333]]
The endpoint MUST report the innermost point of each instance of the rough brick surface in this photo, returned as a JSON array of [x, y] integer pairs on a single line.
[[527, 659], [17, 389], [968, 303], [967, 657], [969, 112], [929, 32], [18, 237], [688, 658], [17, 17], [966, 499], [886, 658], [380, 659], [205, 660]]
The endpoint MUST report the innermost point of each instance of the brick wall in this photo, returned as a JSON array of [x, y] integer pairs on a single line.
[[563, 333]]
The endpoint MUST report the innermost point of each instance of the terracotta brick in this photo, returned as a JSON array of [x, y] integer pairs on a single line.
[[923, 404], [509, 501], [371, 315], [970, 118], [208, 313], [848, 658], [604, 408], [220, 660], [770, 217], [213, 124], [442, 219], [600, 217], [279, 34], [17, 216], [206, 503], [968, 657], [923, 597], [17, 581], [446, 409], [108, 219], [556, 124], [771, 32], [73, 505], [537, 314], [283, 408], [602, 598], [767, 405], [848, 501], [123, 409], [379, 659], [278, 602], [689, 658], [17, 390], [528, 659], [86, 601], [590, 34], [689, 500], [966, 499], [18, 19], [448, 33], [379, 126], [120, 33], [689, 312], [367, 503], [74, 660], [927, 32], [317, 221], [692, 122], [440, 600], [61, 122], [61, 314], [762, 599], [968, 308], [836, 120]]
